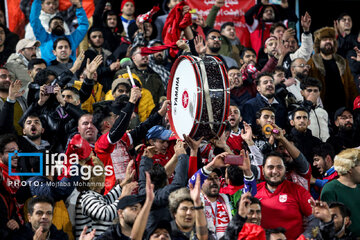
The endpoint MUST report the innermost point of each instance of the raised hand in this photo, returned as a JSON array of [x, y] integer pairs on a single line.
[[290, 32], [149, 188], [357, 58], [58, 95], [78, 62], [135, 95], [92, 66], [246, 132], [195, 191], [244, 205], [306, 22], [14, 90], [150, 151], [89, 236], [164, 108], [129, 175], [179, 148], [192, 144], [43, 96], [320, 210], [199, 45]]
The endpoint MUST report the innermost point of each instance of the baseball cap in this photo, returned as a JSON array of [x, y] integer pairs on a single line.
[[26, 43], [158, 132], [131, 200], [341, 111]]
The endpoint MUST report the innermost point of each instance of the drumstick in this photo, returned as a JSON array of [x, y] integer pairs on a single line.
[[126, 62]]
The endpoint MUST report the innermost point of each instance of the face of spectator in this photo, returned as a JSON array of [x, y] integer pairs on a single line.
[[234, 116], [160, 145], [33, 128], [254, 215], [278, 32], [339, 220], [62, 51], [160, 234], [36, 69], [249, 58], [111, 21], [148, 29], [279, 77], [345, 121], [235, 77], [300, 68], [129, 214], [229, 32], [320, 164], [50, 6], [2, 36], [70, 97], [301, 121], [274, 171], [5, 80], [87, 129], [120, 90], [311, 94], [345, 24], [159, 56], [128, 9], [269, 14], [10, 148], [214, 42], [41, 216], [141, 61], [172, 3], [266, 86], [271, 47], [327, 46], [96, 39], [57, 27], [284, 152], [355, 173], [185, 215], [211, 185], [29, 53], [277, 236], [293, 45], [267, 117]]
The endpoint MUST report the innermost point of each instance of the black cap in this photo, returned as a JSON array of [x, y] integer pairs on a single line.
[[341, 111], [162, 224], [131, 200]]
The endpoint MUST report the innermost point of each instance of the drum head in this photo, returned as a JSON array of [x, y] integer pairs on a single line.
[[184, 91]]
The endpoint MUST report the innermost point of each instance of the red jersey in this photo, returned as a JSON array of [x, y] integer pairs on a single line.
[[285, 208], [235, 142], [115, 155]]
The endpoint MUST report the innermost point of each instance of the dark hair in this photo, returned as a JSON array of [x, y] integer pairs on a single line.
[[35, 61], [94, 29], [254, 200], [343, 14], [61, 39], [344, 210], [299, 109], [274, 230], [258, 113], [73, 90], [5, 139], [225, 25], [100, 114], [233, 68], [127, 86], [32, 115], [43, 75], [310, 82], [4, 28], [4, 68], [323, 150], [257, 80], [211, 31], [276, 25], [158, 176], [55, 17], [133, 50], [272, 154], [235, 175], [245, 50], [279, 69], [39, 199]]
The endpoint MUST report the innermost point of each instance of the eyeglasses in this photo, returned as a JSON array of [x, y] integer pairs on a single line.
[[303, 66], [309, 90], [4, 76], [214, 38]]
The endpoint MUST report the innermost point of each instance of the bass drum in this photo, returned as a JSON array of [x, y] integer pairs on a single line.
[[200, 97]]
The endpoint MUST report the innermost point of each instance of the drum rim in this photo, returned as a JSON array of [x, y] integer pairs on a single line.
[[199, 95]]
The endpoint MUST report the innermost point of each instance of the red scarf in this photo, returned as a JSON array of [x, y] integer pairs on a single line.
[[10, 183]]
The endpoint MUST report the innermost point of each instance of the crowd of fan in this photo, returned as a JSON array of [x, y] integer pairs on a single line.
[[111, 168]]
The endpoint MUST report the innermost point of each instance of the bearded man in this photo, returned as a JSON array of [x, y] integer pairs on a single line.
[[333, 71], [283, 203]]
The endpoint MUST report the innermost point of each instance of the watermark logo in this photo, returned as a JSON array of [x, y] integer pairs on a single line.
[[29, 174]]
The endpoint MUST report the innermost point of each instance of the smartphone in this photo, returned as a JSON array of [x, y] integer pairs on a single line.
[[234, 160], [276, 2], [49, 89]]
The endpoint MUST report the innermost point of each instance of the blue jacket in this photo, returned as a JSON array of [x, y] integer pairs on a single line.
[[255, 104], [47, 39]]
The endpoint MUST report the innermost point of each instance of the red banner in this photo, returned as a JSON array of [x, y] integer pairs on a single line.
[[233, 11]]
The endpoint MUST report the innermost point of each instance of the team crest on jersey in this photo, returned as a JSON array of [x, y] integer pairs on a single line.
[[283, 198]]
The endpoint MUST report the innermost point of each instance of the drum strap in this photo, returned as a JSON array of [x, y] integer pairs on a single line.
[[207, 94]]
